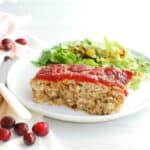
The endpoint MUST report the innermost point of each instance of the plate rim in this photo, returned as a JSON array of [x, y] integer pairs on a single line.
[[72, 118]]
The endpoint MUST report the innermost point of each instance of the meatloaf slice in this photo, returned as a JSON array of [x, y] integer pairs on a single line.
[[94, 90]]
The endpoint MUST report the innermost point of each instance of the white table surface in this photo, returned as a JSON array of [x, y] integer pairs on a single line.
[[128, 21]]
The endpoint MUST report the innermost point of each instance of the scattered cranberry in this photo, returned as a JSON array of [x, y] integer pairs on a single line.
[[29, 138], [21, 41], [7, 122], [21, 128], [40, 128], [1, 47], [7, 58], [5, 134], [7, 44]]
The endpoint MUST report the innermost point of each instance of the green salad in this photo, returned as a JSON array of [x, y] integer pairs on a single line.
[[88, 52]]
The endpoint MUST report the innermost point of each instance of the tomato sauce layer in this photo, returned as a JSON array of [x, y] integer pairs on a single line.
[[106, 76]]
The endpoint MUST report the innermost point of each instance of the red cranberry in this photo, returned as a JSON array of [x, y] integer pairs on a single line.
[[1, 47], [7, 44], [5, 134], [7, 58], [21, 128], [40, 128], [7, 122], [21, 41], [29, 138]]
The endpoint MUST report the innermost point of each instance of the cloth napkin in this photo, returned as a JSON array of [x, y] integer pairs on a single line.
[[13, 27], [10, 23]]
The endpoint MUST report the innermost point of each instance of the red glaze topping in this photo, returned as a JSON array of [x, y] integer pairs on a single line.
[[107, 76]]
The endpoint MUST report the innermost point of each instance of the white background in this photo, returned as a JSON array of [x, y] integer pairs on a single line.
[[127, 21], [55, 20]]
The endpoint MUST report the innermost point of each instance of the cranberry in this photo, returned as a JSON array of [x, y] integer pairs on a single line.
[[1, 47], [21, 128], [40, 128], [29, 138], [7, 44], [21, 41], [7, 58], [7, 122], [5, 134]]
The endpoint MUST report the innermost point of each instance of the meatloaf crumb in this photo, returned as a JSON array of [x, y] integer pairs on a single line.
[[93, 98]]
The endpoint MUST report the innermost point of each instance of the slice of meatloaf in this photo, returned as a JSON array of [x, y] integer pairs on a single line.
[[94, 90]]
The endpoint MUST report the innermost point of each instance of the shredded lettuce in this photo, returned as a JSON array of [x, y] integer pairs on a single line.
[[87, 61], [88, 52], [56, 57], [44, 60], [135, 83]]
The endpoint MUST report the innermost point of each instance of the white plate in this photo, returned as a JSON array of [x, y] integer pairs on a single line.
[[22, 72]]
